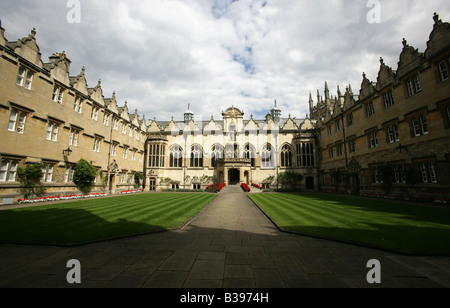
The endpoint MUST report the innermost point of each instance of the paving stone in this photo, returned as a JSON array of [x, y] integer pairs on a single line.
[[207, 270]]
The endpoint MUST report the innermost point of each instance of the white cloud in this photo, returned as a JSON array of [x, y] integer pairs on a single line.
[[160, 55]]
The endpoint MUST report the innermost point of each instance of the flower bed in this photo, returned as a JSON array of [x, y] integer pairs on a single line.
[[132, 191], [256, 186], [220, 187], [245, 187], [211, 187], [59, 198]]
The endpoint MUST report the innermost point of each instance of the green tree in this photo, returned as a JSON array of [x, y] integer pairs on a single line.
[[30, 180], [138, 177], [84, 176]]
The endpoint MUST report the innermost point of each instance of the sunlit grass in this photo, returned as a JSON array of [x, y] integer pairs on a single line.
[[393, 226]]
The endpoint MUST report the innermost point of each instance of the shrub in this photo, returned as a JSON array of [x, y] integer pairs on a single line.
[[84, 176], [30, 180]]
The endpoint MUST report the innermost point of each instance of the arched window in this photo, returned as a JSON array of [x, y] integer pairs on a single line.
[[176, 157], [267, 157], [196, 157], [216, 153], [286, 156], [250, 153]]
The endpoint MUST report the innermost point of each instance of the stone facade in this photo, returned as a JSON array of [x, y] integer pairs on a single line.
[[190, 154], [44, 111], [400, 122]]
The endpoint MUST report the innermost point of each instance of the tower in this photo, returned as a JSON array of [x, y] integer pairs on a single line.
[[188, 115], [276, 113]]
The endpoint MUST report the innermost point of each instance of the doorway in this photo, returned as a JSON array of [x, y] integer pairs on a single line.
[[234, 176], [355, 184], [152, 186], [309, 183]]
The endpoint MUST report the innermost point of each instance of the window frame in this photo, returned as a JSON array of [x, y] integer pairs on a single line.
[[370, 109], [78, 104], [9, 173], [58, 94], [18, 124], [196, 156], [156, 155], [373, 139], [388, 99], [26, 78], [47, 176], [419, 125], [445, 70], [52, 131], [286, 155], [74, 137], [97, 144]]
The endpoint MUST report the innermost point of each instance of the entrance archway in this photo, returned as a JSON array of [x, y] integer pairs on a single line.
[[234, 176]]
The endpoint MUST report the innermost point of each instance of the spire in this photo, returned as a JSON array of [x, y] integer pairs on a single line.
[[327, 91]]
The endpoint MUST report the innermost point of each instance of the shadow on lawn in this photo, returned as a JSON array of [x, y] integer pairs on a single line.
[[64, 227]]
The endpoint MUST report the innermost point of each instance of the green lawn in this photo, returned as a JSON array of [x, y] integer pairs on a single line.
[[97, 219], [406, 228]]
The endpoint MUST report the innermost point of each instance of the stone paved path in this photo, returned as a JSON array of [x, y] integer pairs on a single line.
[[230, 245]]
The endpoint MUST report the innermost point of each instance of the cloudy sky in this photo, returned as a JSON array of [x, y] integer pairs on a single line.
[[161, 55]]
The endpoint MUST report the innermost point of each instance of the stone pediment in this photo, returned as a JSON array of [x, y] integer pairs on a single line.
[[212, 126], [367, 87], [233, 112], [290, 125], [59, 67], [386, 75], [307, 125], [251, 126], [111, 104], [79, 82], [410, 59], [97, 93], [439, 37], [28, 49]]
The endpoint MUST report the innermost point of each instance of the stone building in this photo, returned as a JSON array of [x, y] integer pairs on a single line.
[[397, 126], [49, 116], [192, 154], [401, 121]]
